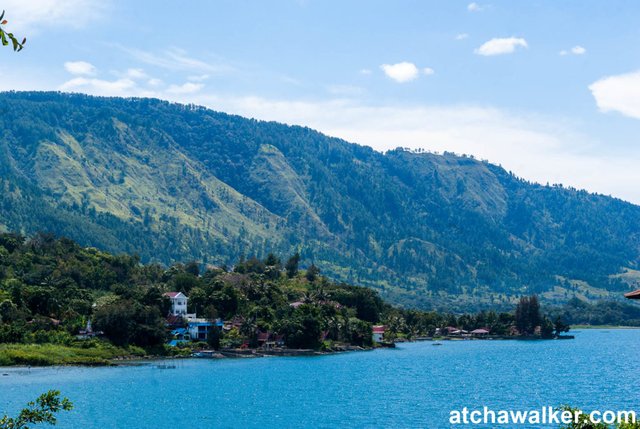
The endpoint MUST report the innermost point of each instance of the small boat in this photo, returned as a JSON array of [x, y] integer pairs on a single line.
[[437, 343]]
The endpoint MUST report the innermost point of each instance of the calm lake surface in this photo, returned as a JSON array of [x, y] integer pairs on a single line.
[[415, 385]]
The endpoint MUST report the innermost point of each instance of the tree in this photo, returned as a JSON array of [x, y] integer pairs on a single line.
[[117, 321], [535, 319], [560, 326], [192, 268], [303, 328], [272, 261], [528, 315], [292, 265], [215, 335], [546, 328], [42, 410], [312, 272], [17, 46]]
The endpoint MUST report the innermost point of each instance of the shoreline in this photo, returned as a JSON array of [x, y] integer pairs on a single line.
[[578, 327], [237, 353], [125, 360]]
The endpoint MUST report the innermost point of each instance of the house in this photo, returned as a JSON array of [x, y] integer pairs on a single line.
[[633, 295], [378, 333], [200, 329], [269, 340], [481, 332], [235, 323], [263, 339], [178, 303], [174, 321], [179, 336]]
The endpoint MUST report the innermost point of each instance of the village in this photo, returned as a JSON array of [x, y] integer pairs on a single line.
[[186, 328], [192, 336]]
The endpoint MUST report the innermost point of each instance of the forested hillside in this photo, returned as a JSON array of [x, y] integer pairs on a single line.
[[173, 183]]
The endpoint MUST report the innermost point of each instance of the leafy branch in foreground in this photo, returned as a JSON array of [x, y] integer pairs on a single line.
[[584, 422], [17, 46], [42, 410]]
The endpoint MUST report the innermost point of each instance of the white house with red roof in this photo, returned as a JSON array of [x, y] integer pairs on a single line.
[[378, 333], [178, 303]]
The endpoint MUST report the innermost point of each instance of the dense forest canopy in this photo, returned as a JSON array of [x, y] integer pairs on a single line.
[[172, 183]]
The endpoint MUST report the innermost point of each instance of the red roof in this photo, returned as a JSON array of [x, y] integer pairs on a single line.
[[171, 294], [633, 295], [378, 329], [174, 320]]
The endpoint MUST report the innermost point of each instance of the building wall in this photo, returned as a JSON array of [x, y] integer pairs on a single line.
[[199, 331], [179, 305]]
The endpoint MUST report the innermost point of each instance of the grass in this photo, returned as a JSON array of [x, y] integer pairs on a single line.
[[90, 353]]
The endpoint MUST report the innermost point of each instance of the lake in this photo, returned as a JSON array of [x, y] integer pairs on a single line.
[[414, 385]]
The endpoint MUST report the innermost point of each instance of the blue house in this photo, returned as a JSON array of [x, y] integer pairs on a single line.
[[179, 336], [200, 329]]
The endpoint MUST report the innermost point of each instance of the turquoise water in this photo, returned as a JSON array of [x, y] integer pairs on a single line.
[[415, 385]]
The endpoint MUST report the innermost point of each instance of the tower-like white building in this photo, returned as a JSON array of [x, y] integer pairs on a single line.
[[178, 303]]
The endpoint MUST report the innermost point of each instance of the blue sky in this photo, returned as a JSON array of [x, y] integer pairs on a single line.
[[548, 89]]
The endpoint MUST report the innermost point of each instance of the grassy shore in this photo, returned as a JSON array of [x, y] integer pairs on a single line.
[[603, 327], [53, 354]]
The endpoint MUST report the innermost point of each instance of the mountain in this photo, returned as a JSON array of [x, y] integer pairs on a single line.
[[177, 182]]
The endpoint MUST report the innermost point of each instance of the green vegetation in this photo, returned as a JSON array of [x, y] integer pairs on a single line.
[[584, 422], [82, 353], [50, 288], [177, 183], [42, 410], [602, 313], [528, 319], [17, 45]]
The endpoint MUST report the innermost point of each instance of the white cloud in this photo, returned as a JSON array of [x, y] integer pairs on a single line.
[[118, 87], [185, 88], [80, 68], [136, 74], [576, 50], [428, 71], [154, 82], [177, 60], [461, 36], [620, 93], [501, 46], [365, 71], [401, 72], [474, 7], [33, 16]]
